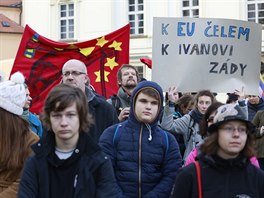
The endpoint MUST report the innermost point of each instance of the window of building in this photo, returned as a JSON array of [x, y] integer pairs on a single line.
[[255, 11], [140, 71], [67, 21], [136, 16], [5, 24], [190, 8]]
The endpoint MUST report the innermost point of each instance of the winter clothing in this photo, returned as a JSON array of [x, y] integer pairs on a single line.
[[145, 162], [254, 108], [103, 113], [179, 137], [220, 178], [124, 100], [8, 189], [34, 122], [193, 155], [87, 173], [13, 94], [258, 121], [188, 126], [230, 112]]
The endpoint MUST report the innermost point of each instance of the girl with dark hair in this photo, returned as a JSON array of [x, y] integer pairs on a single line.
[[223, 168], [206, 122], [187, 125]]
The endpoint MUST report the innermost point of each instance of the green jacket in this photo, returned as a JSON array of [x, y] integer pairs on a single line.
[[258, 121]]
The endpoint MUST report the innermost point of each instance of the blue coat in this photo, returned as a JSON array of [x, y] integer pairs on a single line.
[[143, 167]]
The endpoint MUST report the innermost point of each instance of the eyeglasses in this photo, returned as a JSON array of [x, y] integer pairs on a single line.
[[241, 130], [73, 73]]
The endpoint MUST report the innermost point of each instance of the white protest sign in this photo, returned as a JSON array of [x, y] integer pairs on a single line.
[[217, 54]]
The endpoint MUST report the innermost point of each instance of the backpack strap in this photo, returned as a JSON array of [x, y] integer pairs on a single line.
[[199, 181], [166, 141], [117, 135], [190, 128]]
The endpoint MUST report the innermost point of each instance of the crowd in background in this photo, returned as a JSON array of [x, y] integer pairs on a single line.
[[131, 144]]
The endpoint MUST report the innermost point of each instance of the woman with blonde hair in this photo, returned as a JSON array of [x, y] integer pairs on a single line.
[[15, 135]]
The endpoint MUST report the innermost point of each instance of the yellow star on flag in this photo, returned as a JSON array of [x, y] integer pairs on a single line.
[[116, 45], [101, 41], [86, 51], [98, 76], [111, 63]]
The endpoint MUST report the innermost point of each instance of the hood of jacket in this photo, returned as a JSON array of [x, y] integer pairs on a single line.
[[225, 164], [140, 86]]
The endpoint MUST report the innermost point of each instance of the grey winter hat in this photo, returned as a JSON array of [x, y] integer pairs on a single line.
[[230, 112]]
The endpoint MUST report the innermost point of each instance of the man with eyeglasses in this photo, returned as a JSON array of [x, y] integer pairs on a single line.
[[74, 73]]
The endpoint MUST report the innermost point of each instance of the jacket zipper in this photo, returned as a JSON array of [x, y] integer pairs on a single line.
[[139, 160]]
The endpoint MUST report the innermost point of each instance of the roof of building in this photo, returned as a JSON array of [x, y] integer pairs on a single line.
[[9, 26], [11, 3]]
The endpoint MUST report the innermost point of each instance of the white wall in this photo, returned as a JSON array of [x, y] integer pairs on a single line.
[[36, 13]]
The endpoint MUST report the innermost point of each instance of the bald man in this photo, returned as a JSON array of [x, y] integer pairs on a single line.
[[74, 73]]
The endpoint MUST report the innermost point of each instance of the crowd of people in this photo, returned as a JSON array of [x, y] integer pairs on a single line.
[[131, 144]]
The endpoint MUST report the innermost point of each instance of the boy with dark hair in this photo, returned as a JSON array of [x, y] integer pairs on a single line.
[[145, 158], [67, 162]]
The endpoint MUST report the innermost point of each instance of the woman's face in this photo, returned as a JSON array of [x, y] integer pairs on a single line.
[[203, 103], [232, 137]]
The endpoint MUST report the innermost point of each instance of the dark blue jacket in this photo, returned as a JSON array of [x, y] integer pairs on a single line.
[[143, 167], [254, 108], [95, 174]]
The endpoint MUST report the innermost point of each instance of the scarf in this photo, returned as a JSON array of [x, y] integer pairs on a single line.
[[196, 115], [25, 114]]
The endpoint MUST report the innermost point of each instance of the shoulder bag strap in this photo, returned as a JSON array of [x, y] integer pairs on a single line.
[[199, 181]]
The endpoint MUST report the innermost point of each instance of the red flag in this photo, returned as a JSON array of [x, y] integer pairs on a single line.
[[41, 59]]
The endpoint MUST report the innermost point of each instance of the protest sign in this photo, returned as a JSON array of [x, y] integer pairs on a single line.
[[217, 54]]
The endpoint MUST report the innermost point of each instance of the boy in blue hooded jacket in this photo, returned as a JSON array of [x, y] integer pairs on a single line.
[[144, 157]]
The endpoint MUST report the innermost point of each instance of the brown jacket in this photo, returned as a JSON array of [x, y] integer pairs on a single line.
[[9, 189], [258, 121]]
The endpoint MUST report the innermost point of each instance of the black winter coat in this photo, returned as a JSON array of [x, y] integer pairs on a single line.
[[220, 179], [95, 174], [103, 113]]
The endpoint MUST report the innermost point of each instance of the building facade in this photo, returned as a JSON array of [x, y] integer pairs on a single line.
[[10, 33], [80, 20]]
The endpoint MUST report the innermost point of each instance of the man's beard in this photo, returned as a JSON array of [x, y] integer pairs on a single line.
[[130, 85]]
